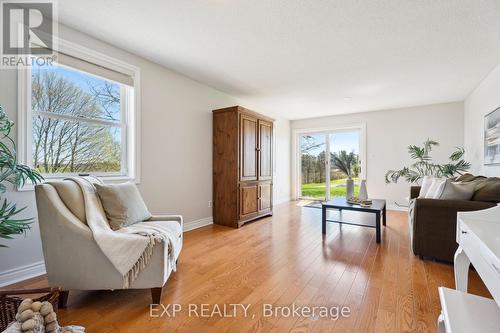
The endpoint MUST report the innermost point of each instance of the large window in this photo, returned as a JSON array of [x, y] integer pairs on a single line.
[[78, 123], [79, 118]]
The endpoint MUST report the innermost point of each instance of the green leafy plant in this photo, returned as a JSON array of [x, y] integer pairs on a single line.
[[424, 166], [345, 162], [16, 174]]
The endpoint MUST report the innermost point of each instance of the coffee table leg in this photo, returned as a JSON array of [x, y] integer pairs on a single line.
[[323, 220], [384, 220], [378, 227]]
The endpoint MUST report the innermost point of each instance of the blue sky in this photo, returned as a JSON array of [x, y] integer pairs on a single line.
[[345, 140], [82, 80], [348, 141], [85, 81]]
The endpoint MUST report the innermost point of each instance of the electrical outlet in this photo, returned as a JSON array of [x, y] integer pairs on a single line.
[[209, 204]]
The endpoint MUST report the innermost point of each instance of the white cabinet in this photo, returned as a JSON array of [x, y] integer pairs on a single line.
[[466, 313], [478, 236]]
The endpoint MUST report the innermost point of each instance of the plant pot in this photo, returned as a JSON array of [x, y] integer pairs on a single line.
[[349, 188]]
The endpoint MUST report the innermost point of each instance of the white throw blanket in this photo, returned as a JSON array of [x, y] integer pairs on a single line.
[[130, 248]]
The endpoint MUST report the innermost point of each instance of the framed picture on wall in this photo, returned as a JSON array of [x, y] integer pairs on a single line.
[[492, 137]]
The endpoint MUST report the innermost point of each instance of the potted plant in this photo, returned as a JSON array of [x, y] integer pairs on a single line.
[[11, 172], [424, 166], [346, 162]]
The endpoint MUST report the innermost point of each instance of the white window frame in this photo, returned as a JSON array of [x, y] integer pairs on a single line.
[[296, 157], [130, 136]]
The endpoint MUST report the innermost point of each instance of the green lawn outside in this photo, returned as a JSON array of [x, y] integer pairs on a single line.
[[317, 190]]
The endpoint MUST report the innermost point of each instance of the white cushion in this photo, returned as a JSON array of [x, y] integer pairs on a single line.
[[436, 188], [426, 184]]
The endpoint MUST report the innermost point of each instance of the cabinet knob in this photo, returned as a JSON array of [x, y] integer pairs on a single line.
[[464, 232]]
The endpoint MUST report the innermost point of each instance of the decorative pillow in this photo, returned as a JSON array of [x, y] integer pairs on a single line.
[[467, 177], [123, 204], [424, 188], [436, 188], [458, 190], [488, 190]]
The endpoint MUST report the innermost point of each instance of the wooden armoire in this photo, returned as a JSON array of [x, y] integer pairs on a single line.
[[242, 166]]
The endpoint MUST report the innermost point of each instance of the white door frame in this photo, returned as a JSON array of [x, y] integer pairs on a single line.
[[296, 167]]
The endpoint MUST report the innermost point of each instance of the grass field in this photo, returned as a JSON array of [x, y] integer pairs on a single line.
[[337, 189]]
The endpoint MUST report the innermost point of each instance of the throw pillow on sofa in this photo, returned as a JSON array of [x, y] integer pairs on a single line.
[[457, 190], [467, 177], [426, 184], [488, 190], [123, 204], [436, 188]]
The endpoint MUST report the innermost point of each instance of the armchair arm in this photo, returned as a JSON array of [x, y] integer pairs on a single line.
[[414, 192], [435, 223], [177, 218]]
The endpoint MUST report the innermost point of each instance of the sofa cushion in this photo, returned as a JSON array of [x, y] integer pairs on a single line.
[[123, 204], [173, 226], [488, 191], [457, 190]]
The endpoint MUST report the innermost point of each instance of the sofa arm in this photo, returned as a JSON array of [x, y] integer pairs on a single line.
[[414, 192], [452, 206], [177, 218], [434, 226]]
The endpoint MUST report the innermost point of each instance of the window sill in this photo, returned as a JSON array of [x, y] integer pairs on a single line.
[[106, 180]]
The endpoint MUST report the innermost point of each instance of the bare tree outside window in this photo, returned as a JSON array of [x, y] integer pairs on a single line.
[[76, 122]]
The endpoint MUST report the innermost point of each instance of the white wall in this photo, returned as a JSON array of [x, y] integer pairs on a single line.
[[389, 133], [176, 145], [484, 99]]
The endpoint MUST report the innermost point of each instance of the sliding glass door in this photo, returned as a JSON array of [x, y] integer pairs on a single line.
[[327, 160], [313, 166]]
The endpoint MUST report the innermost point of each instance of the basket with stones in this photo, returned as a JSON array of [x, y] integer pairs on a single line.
[[38, 317]]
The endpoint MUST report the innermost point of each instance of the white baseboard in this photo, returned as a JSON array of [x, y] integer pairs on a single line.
[[281, 200], [22, 273], [191, 225]]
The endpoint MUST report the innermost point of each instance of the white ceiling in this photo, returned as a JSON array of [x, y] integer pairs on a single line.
[[303, 58]]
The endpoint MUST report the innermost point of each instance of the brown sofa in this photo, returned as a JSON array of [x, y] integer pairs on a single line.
[[433, 222]]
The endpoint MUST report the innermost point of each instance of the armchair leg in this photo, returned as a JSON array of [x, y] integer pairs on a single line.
[[63, 299], [156, 295]]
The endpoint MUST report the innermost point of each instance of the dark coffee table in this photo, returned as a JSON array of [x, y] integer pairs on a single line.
[[377, 207]]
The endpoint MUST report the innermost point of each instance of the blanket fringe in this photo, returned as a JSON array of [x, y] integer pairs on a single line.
[[143, 260]]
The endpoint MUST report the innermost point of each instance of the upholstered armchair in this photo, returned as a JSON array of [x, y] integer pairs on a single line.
[[73, 259]]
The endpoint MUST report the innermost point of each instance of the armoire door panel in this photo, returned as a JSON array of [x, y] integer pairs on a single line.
[[265, 196], [265, 150], [248, 200], [248, 153]]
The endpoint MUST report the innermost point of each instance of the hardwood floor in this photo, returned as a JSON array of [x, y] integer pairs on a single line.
[[283, 260]]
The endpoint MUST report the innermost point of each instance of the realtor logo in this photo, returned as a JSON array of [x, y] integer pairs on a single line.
[[27, 32]]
